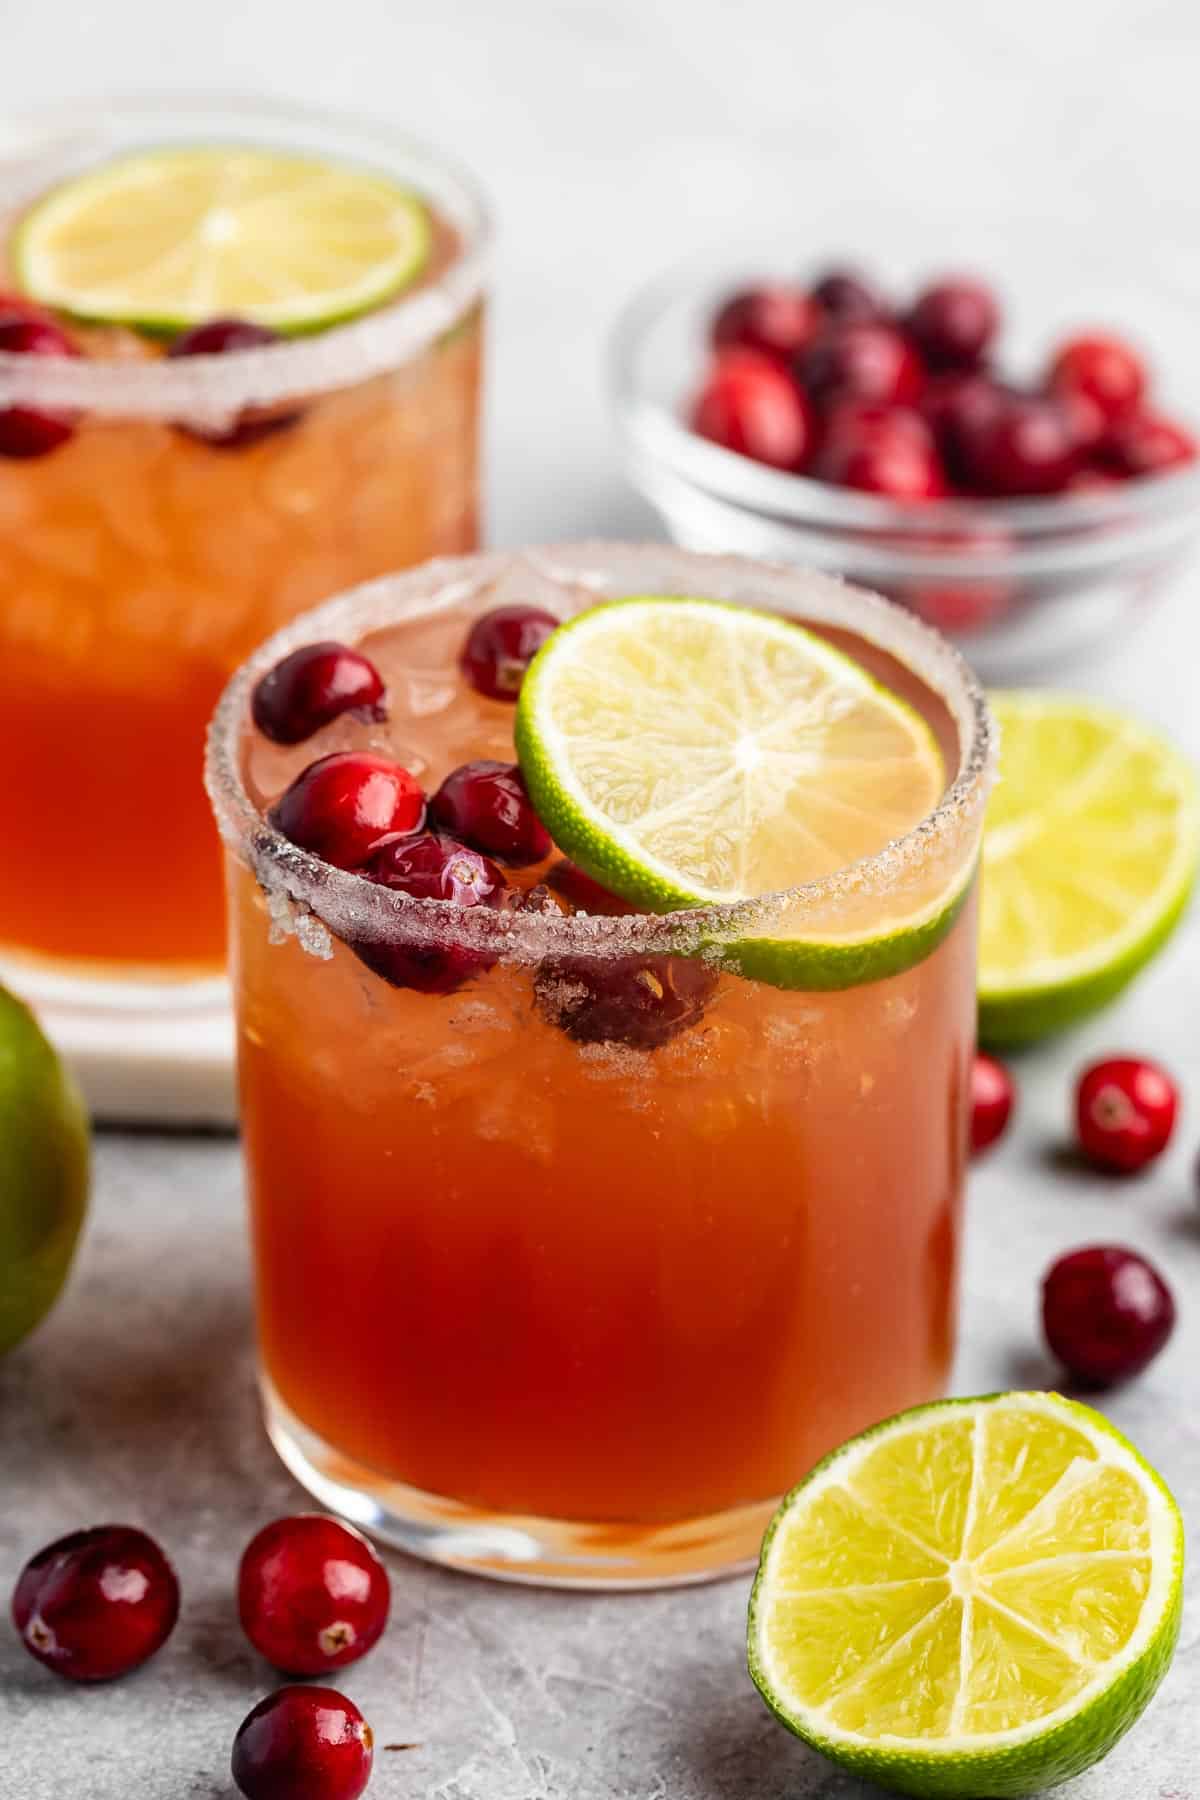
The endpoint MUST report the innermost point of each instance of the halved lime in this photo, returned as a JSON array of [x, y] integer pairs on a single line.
[[687, 752], [1089, 856], [976, 1598], [168, 238]]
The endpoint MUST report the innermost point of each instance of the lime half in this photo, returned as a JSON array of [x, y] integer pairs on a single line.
[[169, 238], [687, 752], [975, 1598], [1089, 856]]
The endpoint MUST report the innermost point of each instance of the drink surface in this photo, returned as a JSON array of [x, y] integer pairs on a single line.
[[145, 554], [627, 1283]]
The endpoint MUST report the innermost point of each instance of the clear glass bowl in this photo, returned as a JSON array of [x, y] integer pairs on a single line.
[[1022, 585]]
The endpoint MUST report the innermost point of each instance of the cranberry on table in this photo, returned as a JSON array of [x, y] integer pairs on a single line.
[[500, 646], [96, 1604], [753, 406], [226, 337], [993, 1095], [1104, 370], [1025, 448], [312, 687], [312, 1594], [1146, 444], [303, 1743], [1125, 1109], [776, 320], [26, 433], [848, 297], [953, 322], [892, 454], [486, 804], [865, 361], [640, 1002], [343, 805], [1106, 1313], [430, 867]]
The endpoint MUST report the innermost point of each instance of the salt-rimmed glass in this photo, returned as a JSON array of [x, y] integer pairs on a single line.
[[145, 556], [579, 1310]]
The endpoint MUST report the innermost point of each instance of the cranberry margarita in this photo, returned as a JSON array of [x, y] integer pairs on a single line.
[[169, 495], [580, 1232]]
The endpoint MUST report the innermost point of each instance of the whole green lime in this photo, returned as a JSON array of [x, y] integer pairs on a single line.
[[44, 1166]]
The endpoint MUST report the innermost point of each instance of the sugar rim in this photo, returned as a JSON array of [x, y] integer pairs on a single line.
[[350, 905], [214, 389]]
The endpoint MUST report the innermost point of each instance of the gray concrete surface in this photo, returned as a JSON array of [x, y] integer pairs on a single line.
[[615, 136]]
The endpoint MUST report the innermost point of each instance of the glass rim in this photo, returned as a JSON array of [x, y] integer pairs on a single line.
[[215, 387], [353, 907]]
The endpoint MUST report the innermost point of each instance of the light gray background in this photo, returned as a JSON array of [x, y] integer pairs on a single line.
[[615, 135]]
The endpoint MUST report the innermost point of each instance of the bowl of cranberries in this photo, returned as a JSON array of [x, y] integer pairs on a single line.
[[1024, 485]]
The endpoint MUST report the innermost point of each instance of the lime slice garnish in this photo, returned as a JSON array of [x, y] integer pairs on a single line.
[[688, 752], [1089, 855], [977, 1597], [166, 239]]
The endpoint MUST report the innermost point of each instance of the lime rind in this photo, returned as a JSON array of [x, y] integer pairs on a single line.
[[1025, 1759], [302, 312], [809, 964]]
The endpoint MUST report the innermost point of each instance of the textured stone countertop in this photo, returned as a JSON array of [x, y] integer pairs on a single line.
[[615, 136]]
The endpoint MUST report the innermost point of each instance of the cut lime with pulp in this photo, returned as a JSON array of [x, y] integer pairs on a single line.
[[688, 753], [977, 1598], [169, 238], [1089, 856]]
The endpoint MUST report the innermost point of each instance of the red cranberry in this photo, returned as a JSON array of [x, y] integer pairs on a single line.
[[953, 322], [1125, 1112], [1103, 370], [500, 646], [866, 362], [308, 1741], [96, 1604], [880, 452], [486, 805], [751, 405], [640, 1002], [1086, 422], [1106, 1313], [313, 686], [959, 408], [312, 1594], [993, 1094], [225, 337], [343, 805], [1146, 444], [582, 893], [430, 867], [1025, 448], [845, 296], [24, 433], [776, 320]]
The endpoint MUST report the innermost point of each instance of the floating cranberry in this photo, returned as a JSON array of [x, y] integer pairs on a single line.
[[1102, 369], [1146, 444], [1106, 1313], [1125, 1111], [500, 646], [24, 433], [776, 320], [866, 362], [878, 451], [582, 893], [312, 1594], [953, 322], [342, 806], [303, 1741], [993, 1095], [959, 408], [751, 405], [1025, 448], [430, 867], [313, 686], [226, 337], [96, 1604], [848, 298], [487, 805], [641, 1002]]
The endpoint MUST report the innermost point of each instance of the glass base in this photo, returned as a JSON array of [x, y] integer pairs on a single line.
[[543, 1552]]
